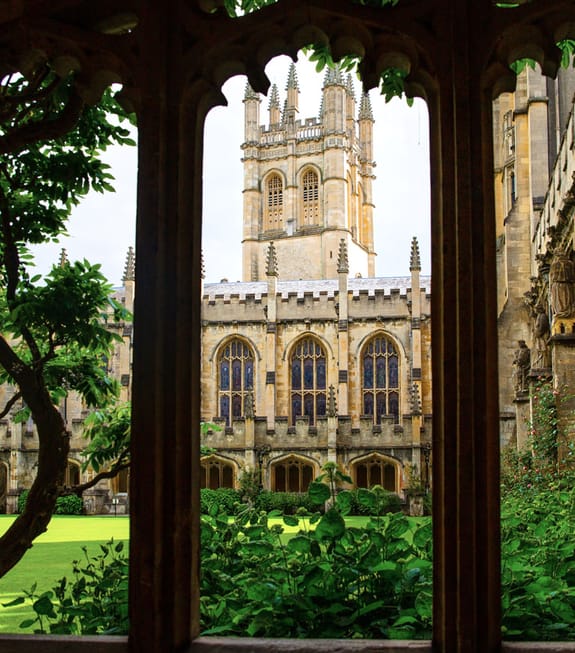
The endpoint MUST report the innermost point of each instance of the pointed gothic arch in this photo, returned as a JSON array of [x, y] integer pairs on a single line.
[[217, 472], [310, 213], [292, 473], [235, 377], [308, 381], [377, 469]]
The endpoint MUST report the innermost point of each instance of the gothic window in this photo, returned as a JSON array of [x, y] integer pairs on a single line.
[[274, 203], [308, 380], [380, 379], [236, 379], [216, 473], [310, 195], [376, 471], [72, 476], [292, 475]]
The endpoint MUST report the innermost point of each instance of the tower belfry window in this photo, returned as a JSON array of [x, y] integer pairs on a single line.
[[274, 203], [310, 186]]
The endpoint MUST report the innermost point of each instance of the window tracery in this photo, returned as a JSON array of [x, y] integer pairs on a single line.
[[235, 379], [308, 380], [310, 198], [274, 203], [380, 379]]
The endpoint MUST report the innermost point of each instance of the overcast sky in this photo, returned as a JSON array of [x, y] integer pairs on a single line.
[[102, 228]]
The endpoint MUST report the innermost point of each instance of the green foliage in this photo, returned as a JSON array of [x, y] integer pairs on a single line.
[[108, 432], [69, 504], [223, 499], [94, 601], [329, 581], [287, 503], [548, 458], [538, 564]]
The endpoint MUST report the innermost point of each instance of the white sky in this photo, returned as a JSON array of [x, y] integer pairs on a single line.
[[102, 227]]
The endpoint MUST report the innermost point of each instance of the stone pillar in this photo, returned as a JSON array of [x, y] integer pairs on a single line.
[[343, 330], [271, 335]]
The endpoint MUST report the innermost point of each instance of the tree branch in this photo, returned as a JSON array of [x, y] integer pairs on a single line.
[[82, 487], [10, 403], [45, 129]]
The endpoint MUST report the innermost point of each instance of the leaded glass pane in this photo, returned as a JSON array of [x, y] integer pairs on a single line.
[[308, 406], [321, 404], [227, 476], [224, 375], [307, 477], [249, 371], [368, 372], [308, 373], [236, 405], [380, 404], [394, 404], [368, 404], [293, 476], [393, 371], [389, 482], [225, 408], [380, 380], [236, 375], [320, 372], [280, 478], [296, 405], [296, 375]]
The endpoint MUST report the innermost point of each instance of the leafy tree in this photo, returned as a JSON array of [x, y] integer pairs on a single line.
[[53, 338]]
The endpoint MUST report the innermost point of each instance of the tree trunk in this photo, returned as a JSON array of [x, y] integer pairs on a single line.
[[54, 442]]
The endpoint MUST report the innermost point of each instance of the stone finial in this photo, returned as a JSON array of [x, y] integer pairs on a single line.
[[331, 403], [321, 109], [250, 94], [272, 261], [365, 111], [292, 78], [349, 85], [333, 75], [284, 112], [414, 260], [274, 98], [249, 405], [130, 267], [415, 400], [63, 261], [342, 260]]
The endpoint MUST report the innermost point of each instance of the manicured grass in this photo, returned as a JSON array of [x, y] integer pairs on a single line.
[[51, 557]]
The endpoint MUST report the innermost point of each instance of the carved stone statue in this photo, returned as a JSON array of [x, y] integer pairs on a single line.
[[562, 284], [522, 362], [541, 332]]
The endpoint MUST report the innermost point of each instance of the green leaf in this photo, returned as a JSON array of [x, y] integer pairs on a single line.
[[17, 601], [330, 526], [299, 544], [27, 623], [344, 502], [290, 520], [318, 492], [44, 606]]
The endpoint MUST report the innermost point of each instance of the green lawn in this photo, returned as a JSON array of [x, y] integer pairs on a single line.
[[51, 558]]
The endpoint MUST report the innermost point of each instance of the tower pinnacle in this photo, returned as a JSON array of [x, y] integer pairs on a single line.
[[272, 261], [365, 111], [63, 258], [130, 267], [414, 261], [342, 260]]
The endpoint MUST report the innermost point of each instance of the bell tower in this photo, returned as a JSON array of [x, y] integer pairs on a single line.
[[307, 183]]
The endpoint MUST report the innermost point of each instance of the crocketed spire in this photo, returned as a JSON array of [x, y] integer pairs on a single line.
[[274, 98], [63, 258], [292, 78], [342, 260], [271, 261], [414, 260], [333, 75], [415, 400], [331, 403], [365, 111], [249, 93], [349, 85], [130, 267]]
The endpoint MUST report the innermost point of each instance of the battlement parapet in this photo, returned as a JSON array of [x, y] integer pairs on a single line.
[[302, 435]]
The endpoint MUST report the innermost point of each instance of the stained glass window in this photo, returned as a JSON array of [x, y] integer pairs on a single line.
[[308, 372], [380, 374], [236, 361]]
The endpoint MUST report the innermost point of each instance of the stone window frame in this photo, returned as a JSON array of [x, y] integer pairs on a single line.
[[230, 392], [310, 206], [315, 392], [290, 460], [221, 462], [383, 460], [386, 390], [274, 201]]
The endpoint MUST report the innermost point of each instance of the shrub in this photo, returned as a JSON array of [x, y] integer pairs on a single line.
[[226, 498], [95, 602], [388, 502], [288, 503], [70, 504]]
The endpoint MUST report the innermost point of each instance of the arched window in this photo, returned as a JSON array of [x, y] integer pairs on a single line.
[[310, 195], [291, 475], [380, 379], [274, 203], [236, 378], [216, 473], [72, 476], [308, 380], [376, 470]]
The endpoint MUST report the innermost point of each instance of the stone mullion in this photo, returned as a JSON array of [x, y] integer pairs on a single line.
[[466, 516], [167, 351]]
